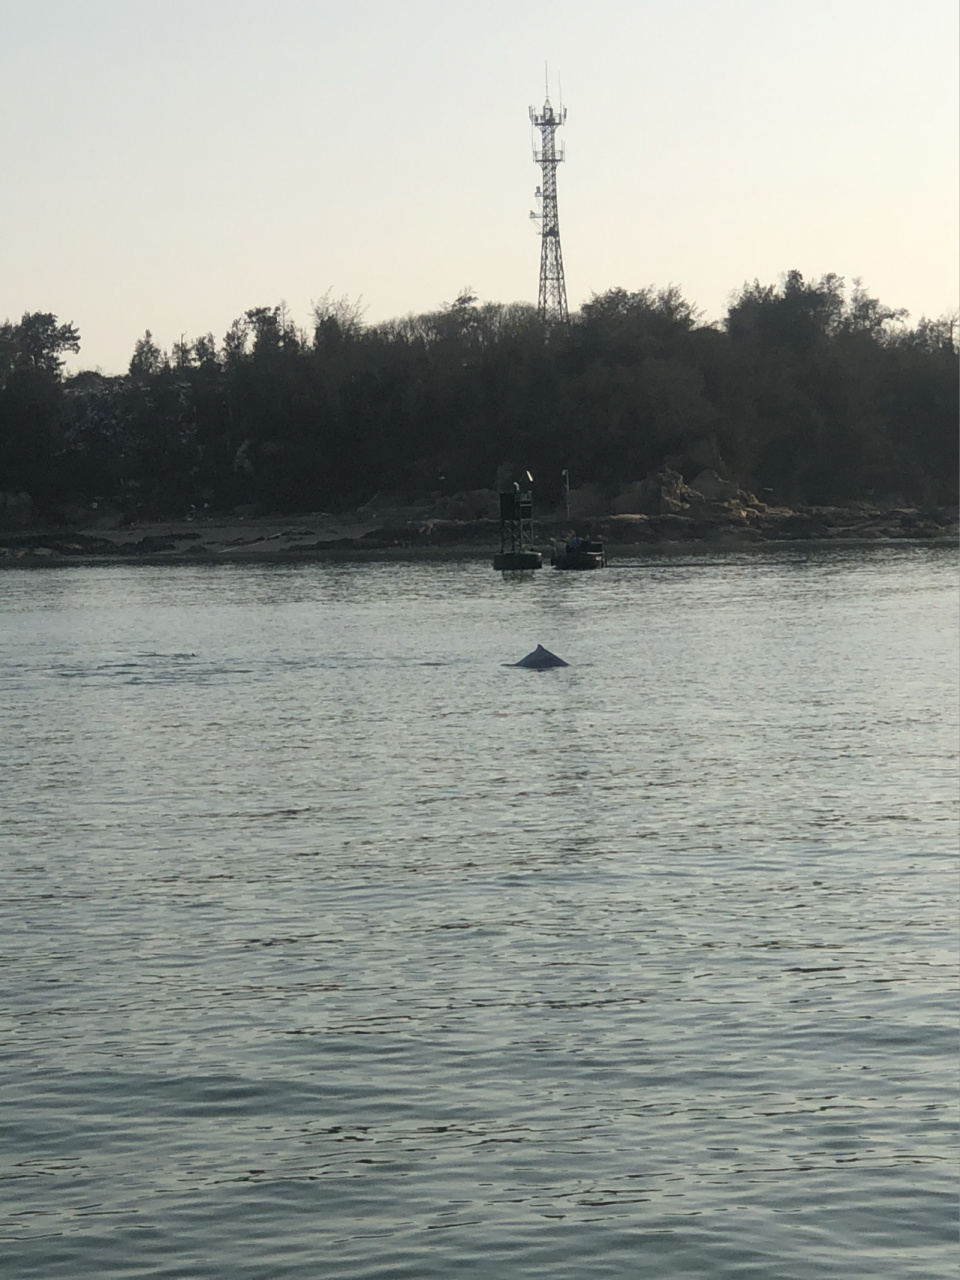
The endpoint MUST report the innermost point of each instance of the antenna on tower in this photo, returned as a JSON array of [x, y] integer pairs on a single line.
[[552, 300]]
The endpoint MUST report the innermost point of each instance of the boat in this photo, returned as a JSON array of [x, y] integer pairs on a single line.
[[579, 553]]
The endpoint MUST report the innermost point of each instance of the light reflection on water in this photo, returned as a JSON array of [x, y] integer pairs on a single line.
[[335, 947]]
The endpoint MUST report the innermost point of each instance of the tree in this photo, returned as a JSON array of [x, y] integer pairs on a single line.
[[335, 321], [42, 341], [37, 342], [792, 317], [808, 392], [864, 314], [147, 359], [31, 402]]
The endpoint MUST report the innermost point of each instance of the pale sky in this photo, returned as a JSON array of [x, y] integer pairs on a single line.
[[168, 166]]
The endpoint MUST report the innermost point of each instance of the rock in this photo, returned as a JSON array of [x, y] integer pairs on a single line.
[[751, 500], [803, 525], [671, 506], [675, 527], [675, 495], [715, 489]]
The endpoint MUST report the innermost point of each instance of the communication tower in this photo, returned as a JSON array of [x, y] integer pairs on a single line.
[[552, 302]]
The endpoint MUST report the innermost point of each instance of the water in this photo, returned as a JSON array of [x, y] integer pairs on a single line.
[[335, 948]]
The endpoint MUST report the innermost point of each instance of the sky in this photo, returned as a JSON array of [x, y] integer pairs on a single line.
[[169, 166]]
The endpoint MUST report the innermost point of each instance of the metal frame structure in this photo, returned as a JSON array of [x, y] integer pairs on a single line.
[[552, 301], [516, 521], [516, 532]]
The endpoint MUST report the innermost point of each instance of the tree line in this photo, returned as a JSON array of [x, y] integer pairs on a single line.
[[807, 392]]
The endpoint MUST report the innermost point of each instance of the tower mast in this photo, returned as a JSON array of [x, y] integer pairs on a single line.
[[552, 301]]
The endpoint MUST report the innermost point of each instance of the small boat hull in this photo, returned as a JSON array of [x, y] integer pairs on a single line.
[[580, 555]]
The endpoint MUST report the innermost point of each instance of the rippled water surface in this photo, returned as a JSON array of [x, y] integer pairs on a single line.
[[335, 948]]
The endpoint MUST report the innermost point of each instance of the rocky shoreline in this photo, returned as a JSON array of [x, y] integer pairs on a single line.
[[398, 534], [662, 513]]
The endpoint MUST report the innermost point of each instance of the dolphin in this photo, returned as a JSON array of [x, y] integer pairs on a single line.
[[540, 660]]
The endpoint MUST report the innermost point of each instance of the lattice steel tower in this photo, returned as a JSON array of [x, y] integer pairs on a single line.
[[552, 302]]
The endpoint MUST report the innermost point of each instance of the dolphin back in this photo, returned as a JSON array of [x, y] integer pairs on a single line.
[[540, 660]]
